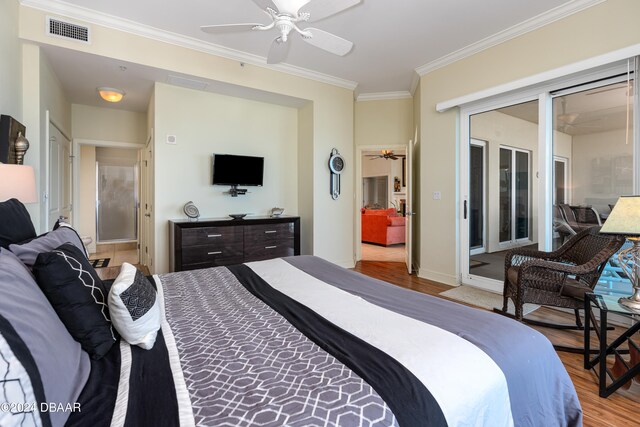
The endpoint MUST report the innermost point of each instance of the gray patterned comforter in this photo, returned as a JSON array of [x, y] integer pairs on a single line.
[[246, 365]]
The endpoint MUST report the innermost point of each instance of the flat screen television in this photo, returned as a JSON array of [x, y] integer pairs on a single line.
[[229, 169]]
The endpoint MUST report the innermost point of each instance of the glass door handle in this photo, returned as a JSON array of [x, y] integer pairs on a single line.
[[465, 209]]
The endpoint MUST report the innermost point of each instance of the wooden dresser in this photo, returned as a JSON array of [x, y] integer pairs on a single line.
[[226, 241]]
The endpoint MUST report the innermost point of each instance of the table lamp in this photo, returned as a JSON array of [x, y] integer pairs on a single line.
[[17, 182], [624, 219]]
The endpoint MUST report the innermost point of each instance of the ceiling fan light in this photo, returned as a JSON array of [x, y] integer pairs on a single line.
[[111, 94]]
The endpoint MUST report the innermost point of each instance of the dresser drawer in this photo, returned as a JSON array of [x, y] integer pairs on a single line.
[[256, 235], [210, 253], [211, 235], [269, 250], [213, 263]]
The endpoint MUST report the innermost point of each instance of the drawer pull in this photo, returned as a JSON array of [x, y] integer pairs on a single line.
[[270, 231], [214, 253], [270, 247], [214, 235]]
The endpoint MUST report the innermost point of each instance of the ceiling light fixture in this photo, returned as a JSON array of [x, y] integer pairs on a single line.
[[111, 94]]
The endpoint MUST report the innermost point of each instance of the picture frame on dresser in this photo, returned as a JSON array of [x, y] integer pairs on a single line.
[[224, 241]]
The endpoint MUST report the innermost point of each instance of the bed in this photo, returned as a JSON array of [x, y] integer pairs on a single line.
[[298, 342]]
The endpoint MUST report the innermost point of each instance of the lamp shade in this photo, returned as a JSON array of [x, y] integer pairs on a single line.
[[18, 182], [624, 218]]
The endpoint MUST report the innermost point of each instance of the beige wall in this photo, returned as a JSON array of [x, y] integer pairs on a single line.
[[41, 92], [384, 122], [107, 124], [86, 221], [305, 177], [206, 123], [600, 29]]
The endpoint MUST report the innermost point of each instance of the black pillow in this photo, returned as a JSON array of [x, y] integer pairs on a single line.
[[15, 223], [79, 297]]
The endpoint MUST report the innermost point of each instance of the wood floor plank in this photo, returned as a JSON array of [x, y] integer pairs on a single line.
[[619, 409]]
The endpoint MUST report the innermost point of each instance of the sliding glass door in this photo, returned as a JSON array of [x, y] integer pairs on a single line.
[[553, 160]]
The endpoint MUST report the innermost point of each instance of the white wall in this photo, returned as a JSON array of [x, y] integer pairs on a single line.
[[205, 123], [601, 169]]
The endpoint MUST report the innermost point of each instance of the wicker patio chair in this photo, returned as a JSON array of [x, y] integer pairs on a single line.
[[560, 278], [569, 216]]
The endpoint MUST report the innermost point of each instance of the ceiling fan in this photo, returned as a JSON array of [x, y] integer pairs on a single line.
[[567, 121], [385, 154], [285, 16]]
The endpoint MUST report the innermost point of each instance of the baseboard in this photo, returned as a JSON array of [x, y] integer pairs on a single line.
[[435, 276], [345, 264]]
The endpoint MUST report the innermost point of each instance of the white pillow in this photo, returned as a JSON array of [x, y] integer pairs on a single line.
[[134, 307]]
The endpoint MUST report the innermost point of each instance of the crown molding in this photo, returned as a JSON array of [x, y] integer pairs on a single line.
[[381, 96], [98, 18], [415, 80], [524, 27]]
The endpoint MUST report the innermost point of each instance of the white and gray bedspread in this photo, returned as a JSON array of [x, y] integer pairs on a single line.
[[300, 341]]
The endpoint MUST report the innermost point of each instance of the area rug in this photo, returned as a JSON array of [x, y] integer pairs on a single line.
[[473, 263], [100, 262], [483, 299]]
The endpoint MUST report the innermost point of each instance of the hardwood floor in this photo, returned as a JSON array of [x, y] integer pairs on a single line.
[[619, 409]]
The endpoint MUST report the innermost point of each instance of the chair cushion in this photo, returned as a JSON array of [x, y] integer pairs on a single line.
[[512, 275], [16, 225], [574, 289]]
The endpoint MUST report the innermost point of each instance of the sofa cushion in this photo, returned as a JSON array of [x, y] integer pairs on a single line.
[[396, 221], [382, 212], [16, 225]]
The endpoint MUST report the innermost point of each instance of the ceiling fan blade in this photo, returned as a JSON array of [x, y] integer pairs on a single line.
[[329, 42], [226, 28], [278, 51], [320, 9], [264, 4]]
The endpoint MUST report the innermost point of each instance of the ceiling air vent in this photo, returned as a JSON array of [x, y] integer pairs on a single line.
[[67, 30]]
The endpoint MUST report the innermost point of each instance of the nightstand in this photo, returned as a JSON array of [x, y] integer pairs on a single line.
[[603, 305]]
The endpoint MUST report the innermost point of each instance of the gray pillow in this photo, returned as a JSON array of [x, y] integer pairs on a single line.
[[28, 252], [64, 367]]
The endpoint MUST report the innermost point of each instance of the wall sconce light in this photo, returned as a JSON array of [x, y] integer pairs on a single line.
[[111, 94]]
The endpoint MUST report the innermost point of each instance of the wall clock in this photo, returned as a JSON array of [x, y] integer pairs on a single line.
[[336, 166]]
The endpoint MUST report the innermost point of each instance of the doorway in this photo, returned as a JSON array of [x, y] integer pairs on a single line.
[[383, 221]]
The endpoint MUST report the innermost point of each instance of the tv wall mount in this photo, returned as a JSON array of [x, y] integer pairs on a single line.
[[234, 191], [336, 166]]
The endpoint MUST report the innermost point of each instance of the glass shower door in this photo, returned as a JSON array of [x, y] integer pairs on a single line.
[[117, 204]]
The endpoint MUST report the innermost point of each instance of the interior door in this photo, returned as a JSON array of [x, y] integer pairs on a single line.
[[409, 208], [59, 182]]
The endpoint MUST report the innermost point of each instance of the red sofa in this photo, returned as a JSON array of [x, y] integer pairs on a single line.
[[382, 226]]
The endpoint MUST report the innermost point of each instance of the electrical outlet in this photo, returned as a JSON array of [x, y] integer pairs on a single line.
[[437, 195]]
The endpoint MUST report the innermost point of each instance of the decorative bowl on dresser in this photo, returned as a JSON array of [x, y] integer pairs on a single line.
[[225, 241]]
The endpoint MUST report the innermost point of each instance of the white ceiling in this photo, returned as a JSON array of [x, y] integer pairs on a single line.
[[392, 39]]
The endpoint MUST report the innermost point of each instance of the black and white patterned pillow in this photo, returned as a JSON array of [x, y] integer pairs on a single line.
[[77, 294], [134, 307]]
